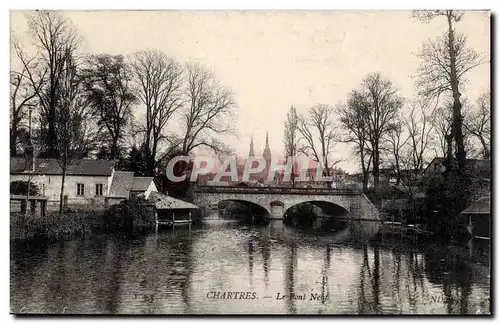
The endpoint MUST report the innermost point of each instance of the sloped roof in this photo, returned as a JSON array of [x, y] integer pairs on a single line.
[[141, 183], [162, 201], [481, 206], [51, 167], [481, 167], [122, 184]]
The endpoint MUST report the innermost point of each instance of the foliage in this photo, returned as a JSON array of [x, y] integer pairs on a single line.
[[107, 85], [135, 161], [129, 215]]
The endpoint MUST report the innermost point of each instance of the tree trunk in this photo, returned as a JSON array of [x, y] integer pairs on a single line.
[[61, 202], [486, 150], [28, 193], [376, 166], [114, 149], [50, 140], [365, 181], [150, 164], [13, 139], [364, 169], [457, 106], [398, 171], [449, 150]]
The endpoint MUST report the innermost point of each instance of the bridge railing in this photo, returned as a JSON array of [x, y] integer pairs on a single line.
[[277, 190]]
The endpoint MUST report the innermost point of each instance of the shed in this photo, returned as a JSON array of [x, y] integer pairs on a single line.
[[478, 218], [125, 185], [171, 210]]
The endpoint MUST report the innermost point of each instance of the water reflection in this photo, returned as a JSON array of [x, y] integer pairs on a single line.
[[347, 271]]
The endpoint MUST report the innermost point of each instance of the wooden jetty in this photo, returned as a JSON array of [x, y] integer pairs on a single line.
[[397, 228]]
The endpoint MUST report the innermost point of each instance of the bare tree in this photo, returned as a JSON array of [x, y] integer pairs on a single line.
[[397, 138], [354, 119], [441, 121], [70, 124], [319, 122], [419, 129], [380, 105], [444, 63], [54, 39], [209, 111], [22, 96], [107, 84], [478, 123], [291, 139], [159, 79]]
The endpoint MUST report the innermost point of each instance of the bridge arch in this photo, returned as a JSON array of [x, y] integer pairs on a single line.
[[318, 214], [330, 208], [253, 206]]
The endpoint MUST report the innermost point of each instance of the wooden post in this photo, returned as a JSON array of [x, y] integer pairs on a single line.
[[44, 209], [23, 206], [156, 221]]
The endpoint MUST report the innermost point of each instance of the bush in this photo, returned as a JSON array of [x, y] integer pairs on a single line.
[[53, 225], [129, 215]]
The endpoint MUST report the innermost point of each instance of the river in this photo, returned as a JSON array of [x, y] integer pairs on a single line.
[[226, 267]]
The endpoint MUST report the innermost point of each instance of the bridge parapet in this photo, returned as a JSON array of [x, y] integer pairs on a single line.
[[277, 190]]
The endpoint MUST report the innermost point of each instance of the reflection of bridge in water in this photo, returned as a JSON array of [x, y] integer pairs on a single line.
[[275, 201]]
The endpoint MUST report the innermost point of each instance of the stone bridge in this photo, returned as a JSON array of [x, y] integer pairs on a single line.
[[276, 201]]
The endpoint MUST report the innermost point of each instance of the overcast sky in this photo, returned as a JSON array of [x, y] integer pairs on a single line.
[[273, 59]]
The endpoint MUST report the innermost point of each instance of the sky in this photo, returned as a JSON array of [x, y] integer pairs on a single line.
[[271, 60]]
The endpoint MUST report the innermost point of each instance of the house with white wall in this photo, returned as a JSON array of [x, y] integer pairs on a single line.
[[87, 182]]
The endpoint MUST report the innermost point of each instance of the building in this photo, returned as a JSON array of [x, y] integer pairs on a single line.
[[477, 218], [478, 171], [124, 185], [88, 183], [480, 167]]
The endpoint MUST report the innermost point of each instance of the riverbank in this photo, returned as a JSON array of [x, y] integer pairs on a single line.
[[53, 225], [129, 216]]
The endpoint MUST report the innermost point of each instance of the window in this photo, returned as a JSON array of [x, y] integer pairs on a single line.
[[80, 189], [98, 189]]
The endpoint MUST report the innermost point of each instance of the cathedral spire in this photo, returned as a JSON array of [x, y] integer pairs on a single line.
[[251, 153], [267, 150]]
